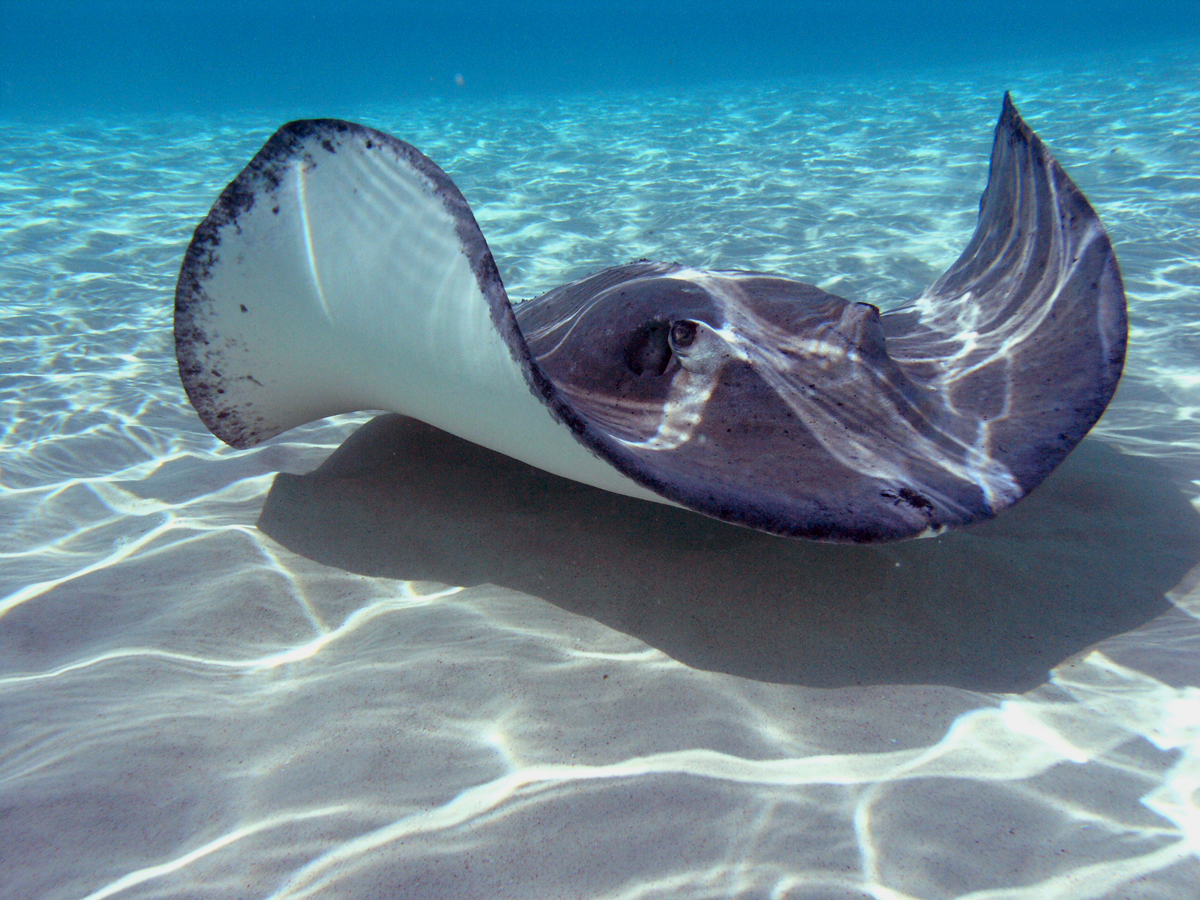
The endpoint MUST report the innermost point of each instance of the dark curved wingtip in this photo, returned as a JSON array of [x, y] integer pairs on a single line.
[[1032, 314], [1007, 109], [1012, 123]]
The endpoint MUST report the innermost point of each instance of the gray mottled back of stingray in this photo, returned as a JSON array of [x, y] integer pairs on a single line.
[[343, 270]]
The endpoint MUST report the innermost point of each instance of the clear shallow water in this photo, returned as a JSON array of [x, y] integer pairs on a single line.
[[214, 56], [406, 682]]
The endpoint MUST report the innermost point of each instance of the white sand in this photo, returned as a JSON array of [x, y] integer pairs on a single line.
[[431, 673]]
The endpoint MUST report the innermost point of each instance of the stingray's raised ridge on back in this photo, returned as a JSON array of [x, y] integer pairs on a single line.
[[343, 270]]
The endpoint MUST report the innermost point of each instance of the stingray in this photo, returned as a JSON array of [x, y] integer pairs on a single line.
[[342, 270]]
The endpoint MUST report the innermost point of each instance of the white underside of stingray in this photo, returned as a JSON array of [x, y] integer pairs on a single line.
[[342, 270], [351, 290]]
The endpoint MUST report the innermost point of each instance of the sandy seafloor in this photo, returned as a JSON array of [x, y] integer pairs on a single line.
[[428, 672]]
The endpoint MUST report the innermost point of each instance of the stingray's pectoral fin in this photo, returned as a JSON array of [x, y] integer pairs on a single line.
[[1023, 338], [294, 283], [342, 270]]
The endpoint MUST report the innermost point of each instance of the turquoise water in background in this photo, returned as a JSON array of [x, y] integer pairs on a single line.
[[320, 57], [363, 660]]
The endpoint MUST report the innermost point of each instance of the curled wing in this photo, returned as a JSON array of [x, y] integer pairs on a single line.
[[1023, 338]]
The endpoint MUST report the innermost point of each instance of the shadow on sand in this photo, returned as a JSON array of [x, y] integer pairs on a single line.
[[1088, 555]]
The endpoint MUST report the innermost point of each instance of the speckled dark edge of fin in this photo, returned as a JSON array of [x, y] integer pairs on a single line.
[[261, 175]]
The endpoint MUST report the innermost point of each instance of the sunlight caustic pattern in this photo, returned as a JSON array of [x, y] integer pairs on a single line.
[[191, 709]]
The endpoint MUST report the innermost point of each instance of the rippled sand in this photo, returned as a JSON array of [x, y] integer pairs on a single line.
[[428, 672]]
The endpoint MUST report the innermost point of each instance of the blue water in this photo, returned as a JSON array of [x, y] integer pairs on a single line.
[[360, 661], [321, 56]]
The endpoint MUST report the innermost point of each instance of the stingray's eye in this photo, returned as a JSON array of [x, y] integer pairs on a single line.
[[683, 334], [649, 350], [699, 347]]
